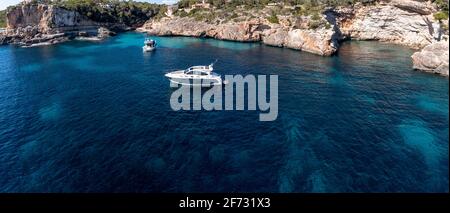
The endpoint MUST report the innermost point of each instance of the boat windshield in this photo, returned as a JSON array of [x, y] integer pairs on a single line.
[[196, 72], [199, 67], [150, 42]]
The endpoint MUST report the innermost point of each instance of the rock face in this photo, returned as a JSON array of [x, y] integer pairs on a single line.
[[104, 32], [433, 58], [3, 39], [421, 7], [254, 30], [32, 25], [404, 22], [320, 42], [244, 31], [397, 22]]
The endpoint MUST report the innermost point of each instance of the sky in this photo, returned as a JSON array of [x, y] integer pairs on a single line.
[[6, 3]]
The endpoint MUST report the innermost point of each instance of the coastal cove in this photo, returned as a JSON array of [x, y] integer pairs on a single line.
[[85, 116], [315, 26]]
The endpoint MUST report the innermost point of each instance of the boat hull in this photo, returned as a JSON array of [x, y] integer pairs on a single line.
[[195, 76], [196, 82], [148, 49]]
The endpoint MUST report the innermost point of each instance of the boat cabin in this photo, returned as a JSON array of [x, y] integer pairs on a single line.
[[198, 70]]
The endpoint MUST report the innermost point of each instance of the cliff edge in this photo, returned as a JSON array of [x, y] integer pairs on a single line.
[[405, 22]]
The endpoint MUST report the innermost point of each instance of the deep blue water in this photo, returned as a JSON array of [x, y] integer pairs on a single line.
[[96, 117]]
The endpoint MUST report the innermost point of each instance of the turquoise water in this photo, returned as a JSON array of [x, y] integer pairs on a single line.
[[95, 117]]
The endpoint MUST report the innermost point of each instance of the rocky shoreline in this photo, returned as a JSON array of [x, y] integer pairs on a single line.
[[403, 22], [319, 41], [37, 25], [433, 58]]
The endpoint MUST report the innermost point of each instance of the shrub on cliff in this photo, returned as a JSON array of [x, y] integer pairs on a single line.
[[442, 5], [440, 16], [181, 13], [314, 24], [317, 21], [273, 19], [161, 13], [443, 10]]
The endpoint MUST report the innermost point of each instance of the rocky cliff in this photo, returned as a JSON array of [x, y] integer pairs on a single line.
[[316, 41], [404, 22], [46, 19], [42, 24], [433, 58], [319, 41]]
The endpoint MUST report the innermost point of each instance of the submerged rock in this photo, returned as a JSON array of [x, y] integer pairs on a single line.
[[104, 32], [433, 58]]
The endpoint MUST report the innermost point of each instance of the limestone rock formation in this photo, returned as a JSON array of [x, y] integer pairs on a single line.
[[32, 25], [255, 30], [389, 23], [405, 22], [421, 7], [433, 58], [319, 42], [245, 31], [104, 32]]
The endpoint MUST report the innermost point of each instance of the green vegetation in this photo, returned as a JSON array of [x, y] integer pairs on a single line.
[[224, 9], [440, 16], [181, 13], [273, 18], [443, 10], [442, 5], [315, 16], [314, 24], [161, 12], [198, 14], [130, 13], [220, 4], [3, 19]]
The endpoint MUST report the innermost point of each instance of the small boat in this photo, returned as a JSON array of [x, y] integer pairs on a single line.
[[196, 76], [149, 45]]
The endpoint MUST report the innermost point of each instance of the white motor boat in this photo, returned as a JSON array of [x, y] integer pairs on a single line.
[[196, 76], [149, 45]]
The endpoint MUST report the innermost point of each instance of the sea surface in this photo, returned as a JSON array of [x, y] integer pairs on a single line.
[[95, 117]]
